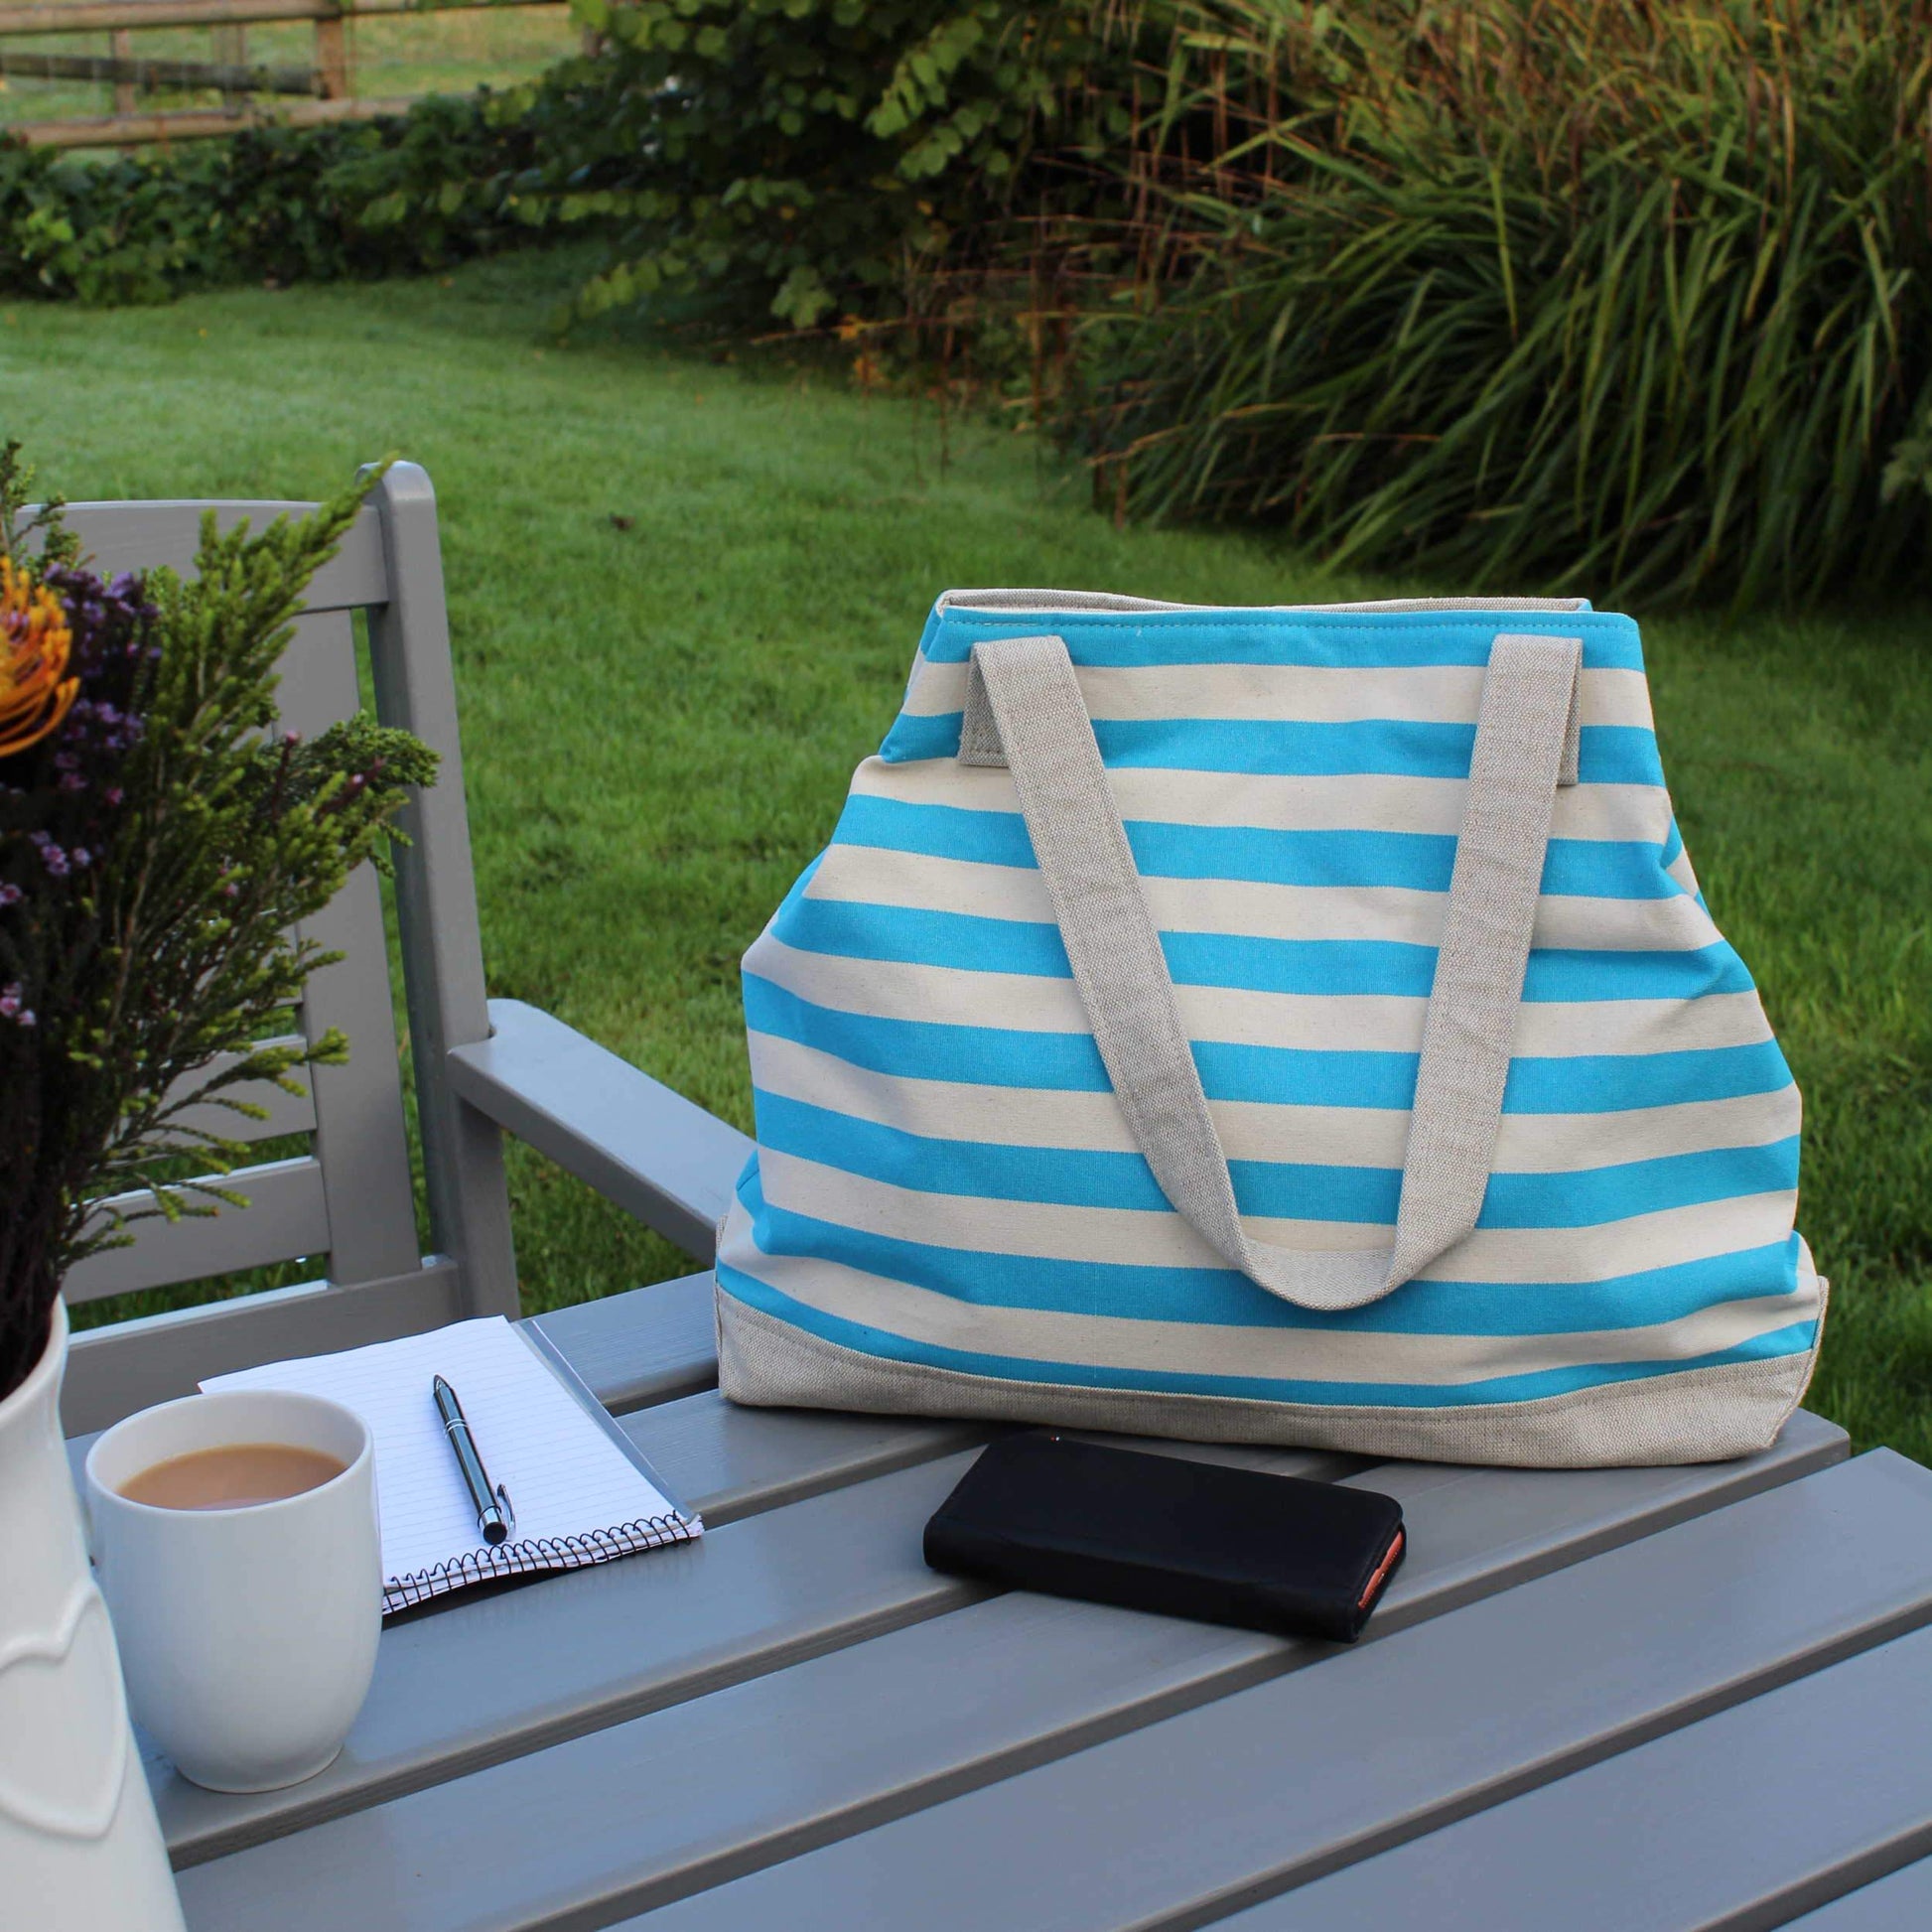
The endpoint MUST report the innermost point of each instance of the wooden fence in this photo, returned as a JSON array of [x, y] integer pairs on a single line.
[[298, 97]]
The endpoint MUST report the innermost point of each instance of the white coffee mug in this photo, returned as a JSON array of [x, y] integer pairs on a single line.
[[247, 1635]]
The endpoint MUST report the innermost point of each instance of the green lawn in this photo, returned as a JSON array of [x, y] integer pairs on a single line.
[[660, 720]]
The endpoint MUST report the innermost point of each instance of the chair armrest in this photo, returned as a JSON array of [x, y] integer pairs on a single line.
[[653, 1152]]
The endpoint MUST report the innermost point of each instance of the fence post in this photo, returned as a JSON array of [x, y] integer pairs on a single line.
[[121, 43], [231, 49], [331, 57]]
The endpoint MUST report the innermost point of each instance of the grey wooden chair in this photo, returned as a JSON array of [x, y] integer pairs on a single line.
[[479, 1066]]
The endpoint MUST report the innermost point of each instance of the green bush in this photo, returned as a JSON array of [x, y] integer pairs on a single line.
[[279, 203], [809, 155], [783, 157], [1626, 296]]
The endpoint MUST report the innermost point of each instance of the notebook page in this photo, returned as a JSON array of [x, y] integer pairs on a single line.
[[564, 1475]]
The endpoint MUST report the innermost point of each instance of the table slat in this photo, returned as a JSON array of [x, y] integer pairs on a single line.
[[648, 1344], [1726, 1826], [686, 1797], [1183, 1821], [733, 1462], [1900, 1903], [481, 1679]]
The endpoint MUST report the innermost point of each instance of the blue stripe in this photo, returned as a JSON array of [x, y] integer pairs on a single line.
[[969, 942], [999, 1056], [866, 1340], [1225, 1298], [1289, 1190], [1608, 755], [1420, 860], [1342, 640]]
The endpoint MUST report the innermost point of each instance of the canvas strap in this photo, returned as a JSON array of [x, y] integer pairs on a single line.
[[1023, 710]]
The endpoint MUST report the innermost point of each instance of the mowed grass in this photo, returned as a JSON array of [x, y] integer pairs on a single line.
[[660, 720]]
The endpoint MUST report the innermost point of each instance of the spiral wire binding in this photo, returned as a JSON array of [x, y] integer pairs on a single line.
[[536, 1554]]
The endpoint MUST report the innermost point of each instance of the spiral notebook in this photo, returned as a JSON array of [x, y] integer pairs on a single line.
[[580, 1491]]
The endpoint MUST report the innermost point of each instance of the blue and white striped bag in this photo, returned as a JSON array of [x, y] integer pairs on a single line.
[[1276, 1025]]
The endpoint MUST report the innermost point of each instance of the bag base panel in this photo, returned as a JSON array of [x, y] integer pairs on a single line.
[[1703, 1415]]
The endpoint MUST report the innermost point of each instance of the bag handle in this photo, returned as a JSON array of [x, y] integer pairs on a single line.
[[1023, 710]]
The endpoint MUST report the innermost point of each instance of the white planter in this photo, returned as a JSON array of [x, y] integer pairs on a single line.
[[80, 1848]]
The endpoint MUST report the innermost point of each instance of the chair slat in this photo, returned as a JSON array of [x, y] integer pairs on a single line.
[[140, 536], [317, 674], [286, 1216], [360, 1139], [114, 1370], [288, 1113], [436, 905]]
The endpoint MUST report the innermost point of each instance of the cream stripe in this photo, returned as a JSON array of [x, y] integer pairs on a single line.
[[1292, 693], [884, 989], [1015, 598], [917, 880], [1206, 1348], [1367, 802], [1346, 1137], [1162, 1239]]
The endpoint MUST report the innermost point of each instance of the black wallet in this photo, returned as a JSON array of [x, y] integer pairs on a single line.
[[1164, 1533]]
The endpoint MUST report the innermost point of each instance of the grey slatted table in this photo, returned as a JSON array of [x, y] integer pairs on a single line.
[[1614, 1699]]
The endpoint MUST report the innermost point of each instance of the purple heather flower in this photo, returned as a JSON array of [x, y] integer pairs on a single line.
[[9, 895]]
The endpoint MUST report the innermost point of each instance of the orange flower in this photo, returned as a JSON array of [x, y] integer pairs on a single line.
[[34, 690]]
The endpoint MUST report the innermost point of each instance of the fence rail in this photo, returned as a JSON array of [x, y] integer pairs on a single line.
[[326, 84], [155, 76], [93, 16]]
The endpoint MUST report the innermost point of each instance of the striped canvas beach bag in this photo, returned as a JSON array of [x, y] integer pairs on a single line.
[[1286, 1025]]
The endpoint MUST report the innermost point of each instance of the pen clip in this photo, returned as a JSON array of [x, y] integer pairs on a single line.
[[510, 1514]]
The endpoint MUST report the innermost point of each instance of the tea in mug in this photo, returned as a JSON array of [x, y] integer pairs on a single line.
[[232, 1477]]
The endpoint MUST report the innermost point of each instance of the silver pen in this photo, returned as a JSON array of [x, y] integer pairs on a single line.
[[494, 1516]]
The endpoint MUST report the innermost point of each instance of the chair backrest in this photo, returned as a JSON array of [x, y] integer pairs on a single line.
[[349, 1196]]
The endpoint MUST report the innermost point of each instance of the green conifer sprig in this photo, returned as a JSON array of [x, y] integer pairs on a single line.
[[158, 956]]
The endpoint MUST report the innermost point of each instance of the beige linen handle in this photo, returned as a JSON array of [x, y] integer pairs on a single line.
[[1023, 710]]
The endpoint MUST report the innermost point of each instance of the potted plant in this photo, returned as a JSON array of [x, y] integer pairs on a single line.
[[160, 837]]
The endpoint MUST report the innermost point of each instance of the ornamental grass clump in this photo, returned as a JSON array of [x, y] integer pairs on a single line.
[[1627, 297], [159, 839]]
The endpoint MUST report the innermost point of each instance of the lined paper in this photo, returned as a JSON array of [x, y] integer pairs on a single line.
[[566, 1479]]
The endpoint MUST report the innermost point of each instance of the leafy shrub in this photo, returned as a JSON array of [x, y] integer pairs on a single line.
[[789, 156], [279, 203], [1618, 295], [806, 154]]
